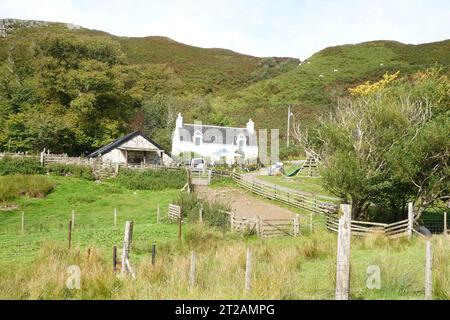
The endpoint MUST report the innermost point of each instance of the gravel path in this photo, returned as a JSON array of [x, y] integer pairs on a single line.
[[244, 205]]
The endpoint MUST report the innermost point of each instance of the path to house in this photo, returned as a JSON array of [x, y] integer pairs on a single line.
[[244, 205]]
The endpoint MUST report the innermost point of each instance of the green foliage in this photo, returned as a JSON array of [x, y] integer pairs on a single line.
[[390, 146], [75, 90], [14, 186], [151, 179], [214, 213], [70, 170], [292, 152], [10, 166]]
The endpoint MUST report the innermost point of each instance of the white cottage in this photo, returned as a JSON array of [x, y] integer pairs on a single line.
[[134, 148], [215, 144]]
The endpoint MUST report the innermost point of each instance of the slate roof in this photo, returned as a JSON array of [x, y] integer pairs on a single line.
[[216, 134], [118, 142]]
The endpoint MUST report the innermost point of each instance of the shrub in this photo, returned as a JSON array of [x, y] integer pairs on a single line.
[[20, 166], [152, 179], [214, 213], [71, 170], [14, 186]]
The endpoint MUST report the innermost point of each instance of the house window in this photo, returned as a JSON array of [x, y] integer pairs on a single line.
[[198, 136], [242, 141]]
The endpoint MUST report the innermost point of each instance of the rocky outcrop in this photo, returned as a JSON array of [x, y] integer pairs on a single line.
[[8, 25]]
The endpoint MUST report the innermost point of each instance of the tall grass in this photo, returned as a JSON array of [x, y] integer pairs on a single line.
[[10, 165], [70, 170], [152, 179], [213, 213], [279, 271], [15, 186]]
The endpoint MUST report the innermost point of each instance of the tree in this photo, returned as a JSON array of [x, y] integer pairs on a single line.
[[389, 145]]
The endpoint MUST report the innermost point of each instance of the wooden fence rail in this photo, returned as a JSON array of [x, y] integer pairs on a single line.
[[362, 228], [174, 212], [315, 204]]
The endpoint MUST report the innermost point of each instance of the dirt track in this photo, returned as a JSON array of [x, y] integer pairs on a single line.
[[243, 204]]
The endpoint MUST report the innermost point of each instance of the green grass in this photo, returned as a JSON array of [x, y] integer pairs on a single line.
[[311, 185], [94, 205], [33, 264], [15, 186]]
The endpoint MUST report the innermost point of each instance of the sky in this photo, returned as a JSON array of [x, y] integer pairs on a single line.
[[287, 28]]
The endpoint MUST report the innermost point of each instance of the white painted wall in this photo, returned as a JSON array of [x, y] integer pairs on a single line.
[[118, 156], [207, 150]]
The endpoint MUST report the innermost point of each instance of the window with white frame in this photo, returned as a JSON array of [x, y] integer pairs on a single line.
[[242, 141], [198, 138]]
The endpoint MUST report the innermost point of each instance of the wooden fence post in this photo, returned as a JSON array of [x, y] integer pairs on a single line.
[[232, 221], [258, 226], [157, 214], [125, 250], [115, 258], [248, 269], [410, 219], [73, 219], [42, 159], [153, 254], [297, 225], [70, 233], [192, 273], [445, 224], [429, 272], [115, 217], [343, 254], [180, 221], [22, 228], [200, 214]]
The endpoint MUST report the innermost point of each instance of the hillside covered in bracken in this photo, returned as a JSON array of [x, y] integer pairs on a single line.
[[72, 89]]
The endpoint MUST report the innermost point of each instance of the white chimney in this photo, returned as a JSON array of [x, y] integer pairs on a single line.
[[179, 122], [250, 126]]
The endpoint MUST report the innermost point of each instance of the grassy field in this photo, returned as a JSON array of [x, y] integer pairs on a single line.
[[33, 264], [311, 185]]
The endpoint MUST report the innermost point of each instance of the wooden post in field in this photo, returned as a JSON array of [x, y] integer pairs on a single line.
[[200, 214], [115, 217], [153, 254], [410, 219], [445, 224], [311, 223], [73, 219], [22, 228], [192, 273], [126, 246], [248, 269], [115, 258], [258, 226], [297, 225], [157, 214], [232, 221], [429, 272], [70, 233], [343, 254], [180, 221]]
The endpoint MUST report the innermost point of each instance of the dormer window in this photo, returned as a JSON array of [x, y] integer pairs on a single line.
[[198, 136], [242, 141]]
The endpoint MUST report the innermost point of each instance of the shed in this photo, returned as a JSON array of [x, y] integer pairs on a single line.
[[134, 148]]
